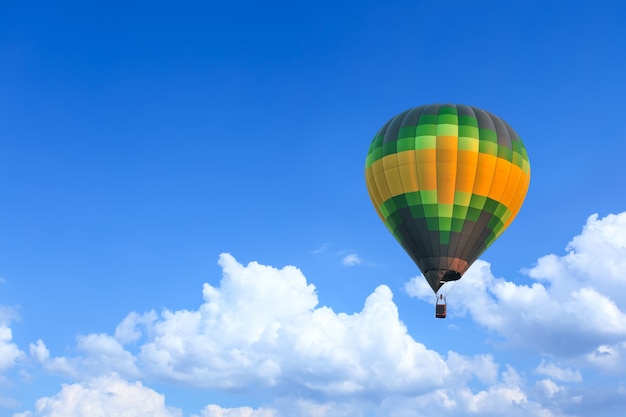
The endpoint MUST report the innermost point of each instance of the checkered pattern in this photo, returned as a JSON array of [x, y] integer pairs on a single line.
[[446, 180]]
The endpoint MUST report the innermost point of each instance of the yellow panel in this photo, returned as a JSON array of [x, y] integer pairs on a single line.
[[408, 176], [466, 170], [381, 184], [500, 179], [392, 176], [372, 189], [426, 160], [377, 169], [408, 171], [406, 157], [484, 173], [390, 161]]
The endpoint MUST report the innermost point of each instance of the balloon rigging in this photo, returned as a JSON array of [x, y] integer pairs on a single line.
[[446, 180]]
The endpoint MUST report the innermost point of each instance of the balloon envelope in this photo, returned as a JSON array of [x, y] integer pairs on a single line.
[[446, 180]]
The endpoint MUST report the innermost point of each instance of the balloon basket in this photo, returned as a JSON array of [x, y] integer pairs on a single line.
[[440, 311]]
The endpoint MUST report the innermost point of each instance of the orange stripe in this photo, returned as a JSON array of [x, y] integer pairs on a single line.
[[508, 195], [466, 170], [500, 179], [484, 174], [520, 193]]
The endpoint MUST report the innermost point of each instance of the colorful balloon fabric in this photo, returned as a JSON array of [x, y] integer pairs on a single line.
[[446, 180]]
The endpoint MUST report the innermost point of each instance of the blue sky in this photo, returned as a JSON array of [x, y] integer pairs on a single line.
[[185, 229]]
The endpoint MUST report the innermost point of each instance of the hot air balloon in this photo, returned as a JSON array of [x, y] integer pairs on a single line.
[[446, 180]]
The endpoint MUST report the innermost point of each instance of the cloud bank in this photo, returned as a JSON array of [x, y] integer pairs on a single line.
[[262, 329], [103, 396]]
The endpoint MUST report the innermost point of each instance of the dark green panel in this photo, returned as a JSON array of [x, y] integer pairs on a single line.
[[428, 119], [505, 153], [426, 129], [447, 119], [468, 122], [405, 144], [457, 225], [473, 214], [418, 212], [447, 109]]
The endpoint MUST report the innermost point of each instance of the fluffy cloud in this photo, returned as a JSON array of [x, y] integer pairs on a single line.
[[262, 324], [575, 306], [262, 328], [214, 410], [100, 353], [558, 373], [9, 351], [595, 259], [103, 396], [506, 395]]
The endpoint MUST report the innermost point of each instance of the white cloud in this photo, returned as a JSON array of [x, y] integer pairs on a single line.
[[261, 325], [101, 353], [213, 410], [609, 358], [481, 367], [506, 395], [126, 332], [576, 305], [9, 351], [596, 259], [352, 260], [558, 373], [262, 328], [112, 396], [549, 387], [103, 396], [59, 365]]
